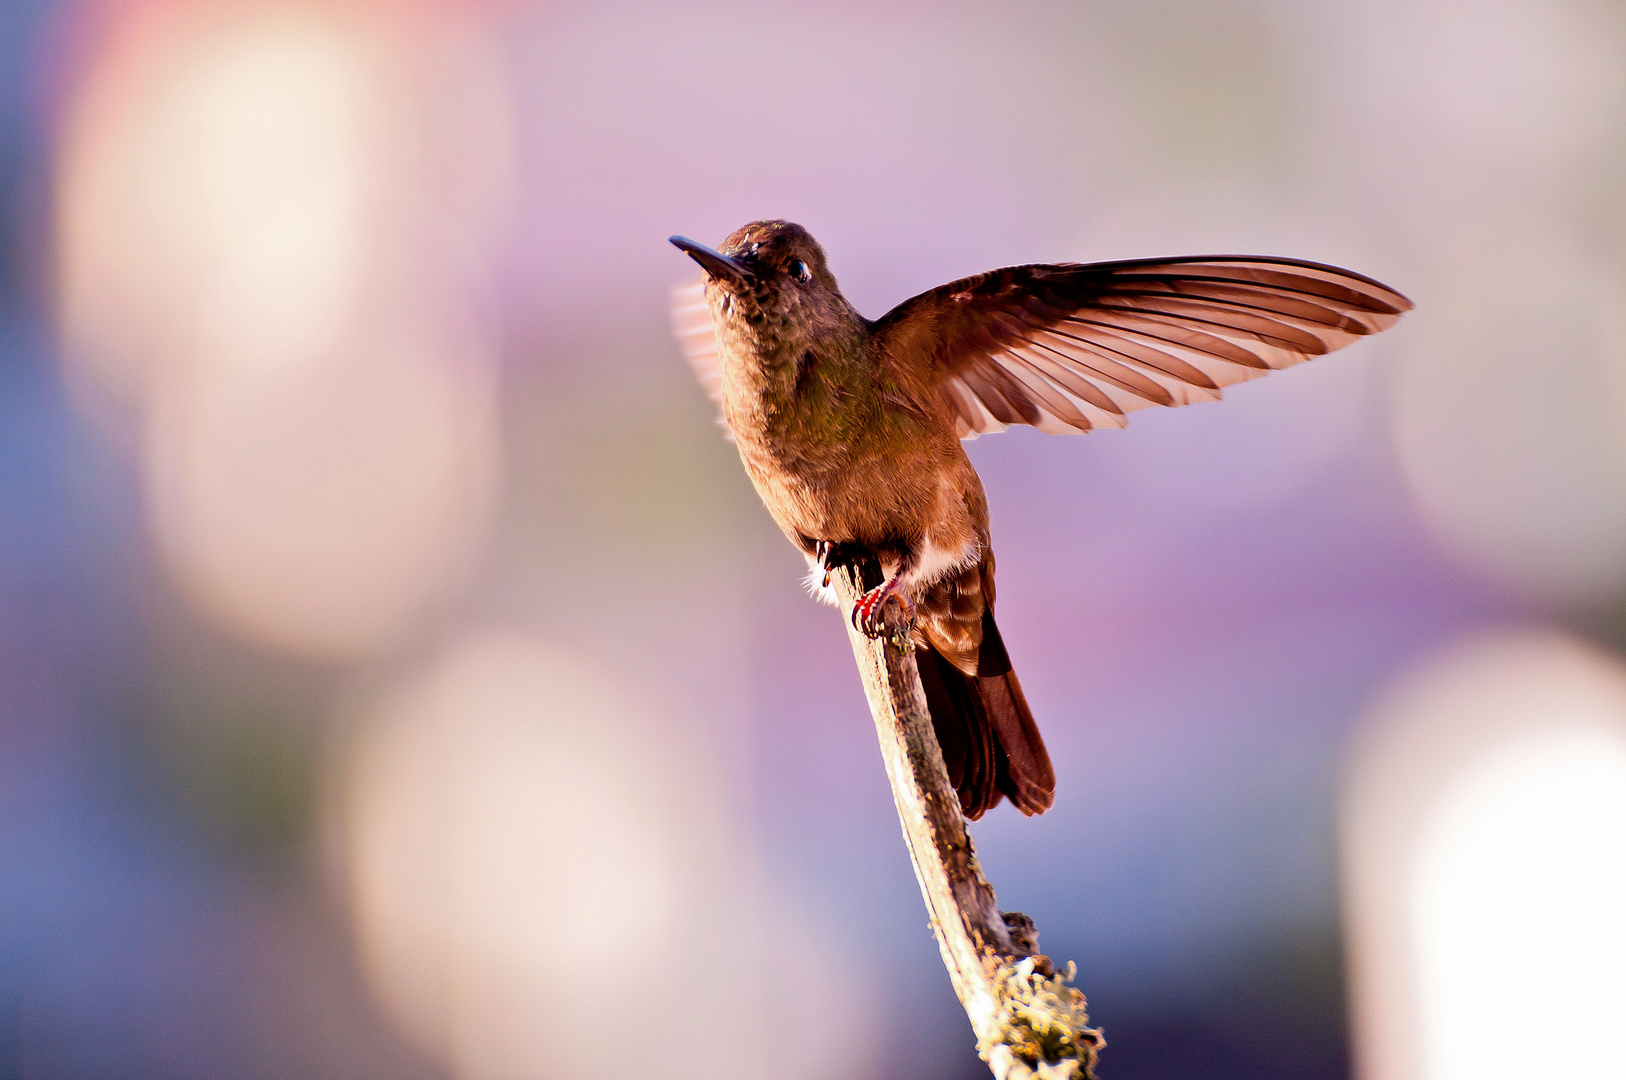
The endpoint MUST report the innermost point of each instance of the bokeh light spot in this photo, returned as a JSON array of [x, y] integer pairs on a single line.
[[1519, 896], [268, 264], [1485, 857]]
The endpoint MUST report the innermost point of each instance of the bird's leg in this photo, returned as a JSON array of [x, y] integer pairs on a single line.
[[869, 613]]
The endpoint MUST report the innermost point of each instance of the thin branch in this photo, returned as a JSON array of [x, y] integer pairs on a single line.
[[1029, 1020]]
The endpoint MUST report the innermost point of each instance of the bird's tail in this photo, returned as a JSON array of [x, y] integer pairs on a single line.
[[990, 743]]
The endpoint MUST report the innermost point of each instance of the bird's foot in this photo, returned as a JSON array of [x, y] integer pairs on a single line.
[[870, 615]]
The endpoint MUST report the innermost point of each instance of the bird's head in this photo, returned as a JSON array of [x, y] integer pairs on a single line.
[[770, 278]]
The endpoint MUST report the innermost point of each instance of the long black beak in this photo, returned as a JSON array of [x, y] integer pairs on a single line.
[[714, 263]]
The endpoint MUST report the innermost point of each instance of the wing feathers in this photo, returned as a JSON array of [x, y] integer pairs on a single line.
[[1096, 365], [1163, 338], [1218, 317], [1290, 305], [1073, 347], [996, 390], [1062, 413], [1161, 359], [691, 323]]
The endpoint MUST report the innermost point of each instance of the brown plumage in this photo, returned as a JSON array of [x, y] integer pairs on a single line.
[[850, 429]]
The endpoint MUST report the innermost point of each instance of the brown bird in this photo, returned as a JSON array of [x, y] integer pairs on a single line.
[[850, 428]]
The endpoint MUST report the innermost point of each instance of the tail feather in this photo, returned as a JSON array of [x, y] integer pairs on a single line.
[[1028, 778], [963, 731], [990, 743]]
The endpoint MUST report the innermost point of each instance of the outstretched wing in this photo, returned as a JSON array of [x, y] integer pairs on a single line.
[[691, 322], [1070, 347]]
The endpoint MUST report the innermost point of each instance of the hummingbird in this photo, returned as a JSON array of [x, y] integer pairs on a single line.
[[851, 429]]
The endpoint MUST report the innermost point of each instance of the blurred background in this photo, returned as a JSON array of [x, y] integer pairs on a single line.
[[399, 678]]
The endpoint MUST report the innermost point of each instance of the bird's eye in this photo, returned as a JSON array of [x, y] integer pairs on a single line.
[[798, 270]]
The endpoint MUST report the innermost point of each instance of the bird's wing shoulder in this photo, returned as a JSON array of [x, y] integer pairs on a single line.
[[1069, 347], [697, 337]]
